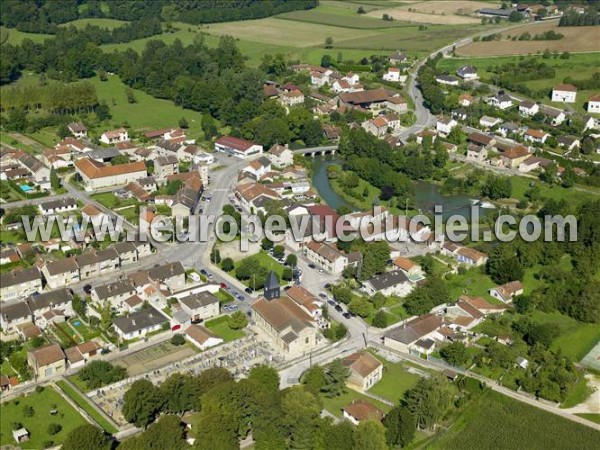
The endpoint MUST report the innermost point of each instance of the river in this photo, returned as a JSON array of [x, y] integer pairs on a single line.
[[427, 195]]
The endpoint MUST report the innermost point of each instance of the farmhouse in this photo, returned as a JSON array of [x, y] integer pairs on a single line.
[[593, 105], [470, 256], [444, 125], [15, 315], [397, 104], [114, 136], [371, 99], [465, 100], [365, 370], [508, 291], [410, 268], [97, 175], [528, 108], [237, 147], [556, 116], [500, 101], [58, 206], [568, 142], [564, 93], [200, 306], [393, 75], [397, 58], [258, 168]]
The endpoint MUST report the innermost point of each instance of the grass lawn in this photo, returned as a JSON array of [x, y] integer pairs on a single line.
[[497, 422], [265, 261], [87, 332], [83, 404], [395, 382], [224, 297], [219, 327], [15, 37], [336, 404], [6, 369], [473, 282], [590, 416], [578, 394], [42, 403], [521, 184], [111, 201], [148, 113], [99, 22]]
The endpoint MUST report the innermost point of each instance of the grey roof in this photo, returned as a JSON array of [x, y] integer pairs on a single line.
[[103, 153], [466, 69], [166, 271], [181, 316], [96, 256], [510, 126], [169, 146], [15, 277], [264, 161], [124, 247], [199, 300], [289, 337], [16, 311], [566, 140], [115, 288], [496, 12], [425, 343], [447, 78], [415, 329], [49, 299], [271, 282], [167, 159], [551, 112], [145, 318], [146, 181], [388, 279], [503, 98], [59, 203]]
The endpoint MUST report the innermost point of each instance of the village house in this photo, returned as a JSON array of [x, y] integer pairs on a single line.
[[508, 128], [470, 256], [61, 273], [445, 125], [365, 370], [202, 337], [501, 101], [258, 168], [528, 108], [536, 136], [373, 99], [404, 336], [568, 142], [410, 268], [281, 156], [514, 156], [467, 73], [165, 165], [237, 147], [37, 169], [327, 256], [397, 58], [58, 206], [481, 139], [306, 300], [534, 163], [465, 100], [459, 114], [392, 75], [96, 175], [9, 256], [397, 104], [291, 98], [448, 80], [113, 293], [139, 323], [94, 263], [508, 291], [80, 354], [593, 105], [58, 301], [360, 410], [20, 283], [391, 283], [200, 306], [47, 361], [13, 316], [489, 122], [170, 276], [378, 126], [249, 193], [77, 129], [564, 93], [114, 136], [554, 115]]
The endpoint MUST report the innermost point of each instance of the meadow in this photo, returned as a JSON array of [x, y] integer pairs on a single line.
[[499, 422], [37, 425], [99, 22]]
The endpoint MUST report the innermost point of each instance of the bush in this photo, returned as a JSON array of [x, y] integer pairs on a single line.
[[28, 411], [54, 428], [178, 339], [47, 444], [380, 320], [100, 373], [39, 389]]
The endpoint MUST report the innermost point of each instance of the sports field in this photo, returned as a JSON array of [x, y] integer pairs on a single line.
[[576, 39]]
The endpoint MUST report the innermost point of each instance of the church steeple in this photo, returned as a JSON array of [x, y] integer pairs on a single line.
[[272, 288]]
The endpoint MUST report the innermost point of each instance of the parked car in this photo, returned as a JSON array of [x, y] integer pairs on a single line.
[[87, 289], [321, 271], [323, 295], [203, 272], [312, 266], [332, 303], [248, 290], [347, 315], [338, 308], [223, 286]]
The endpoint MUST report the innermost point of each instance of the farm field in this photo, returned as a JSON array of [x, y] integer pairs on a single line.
[[499, 422], [37, 425], [436, 18], [576, 39]]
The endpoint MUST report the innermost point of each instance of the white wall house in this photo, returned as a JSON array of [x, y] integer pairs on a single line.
[[594, 104], [114, 136], [564, 93]]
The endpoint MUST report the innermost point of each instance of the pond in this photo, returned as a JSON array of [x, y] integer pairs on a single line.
[[427, 195]]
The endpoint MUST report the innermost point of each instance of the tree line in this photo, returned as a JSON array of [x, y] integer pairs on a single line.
[[572, 18]]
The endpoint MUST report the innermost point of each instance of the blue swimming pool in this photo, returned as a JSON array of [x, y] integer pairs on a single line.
[[77, 323], [25, 187]]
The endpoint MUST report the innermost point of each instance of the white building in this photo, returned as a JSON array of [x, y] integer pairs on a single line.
[[393, 75], [97, 175], [237, 147], [281, 156], [467, 73], [395, 283], [594, 104], [528, 108], [139, 324], [564, 93], [114, 136], [445, 125]]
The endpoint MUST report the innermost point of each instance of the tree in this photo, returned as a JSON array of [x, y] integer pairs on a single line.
[[215, 255], [301, 411], [503, 265], [424, 297], [455, 353], [227, 265], [87, 437], [178, 339], [237, 321], [291, 260], [342, 294], [119, 159], [328, 42], [141, 403], [326, 60], [380, 319], [209, 126], [337, 436], [278, 251], [375, 257], [100, 373], [266, 243], [315, 379], [336, 374], [54, 180], [266, 376], [399, 426], [130, 95], [361, 10], [63, 131], [166, 434], [103, 112], [429, 400], [312, 133], [54, 428], [370, 435], [287, 274], [361, 307], [515, 16]]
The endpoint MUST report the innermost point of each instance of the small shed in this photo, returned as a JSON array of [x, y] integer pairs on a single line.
[[450, 374], [21, 435], [522, 362]]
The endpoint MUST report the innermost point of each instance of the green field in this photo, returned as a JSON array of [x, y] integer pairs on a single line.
[[220, 327], [579, 66], [15, 37], [336, 404], [148, 113], [395, 382], [590, 416], [99, 22], [497, 422], [83, 404], [37, 425]]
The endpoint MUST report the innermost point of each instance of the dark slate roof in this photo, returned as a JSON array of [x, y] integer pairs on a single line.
[[145, 318], [15, 277], [59, 203], [115, 288], [415, 329], [388, 279], [103, 153], [271, 282], [16, 311], [166, 271], [199, 300], [49, 299]]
